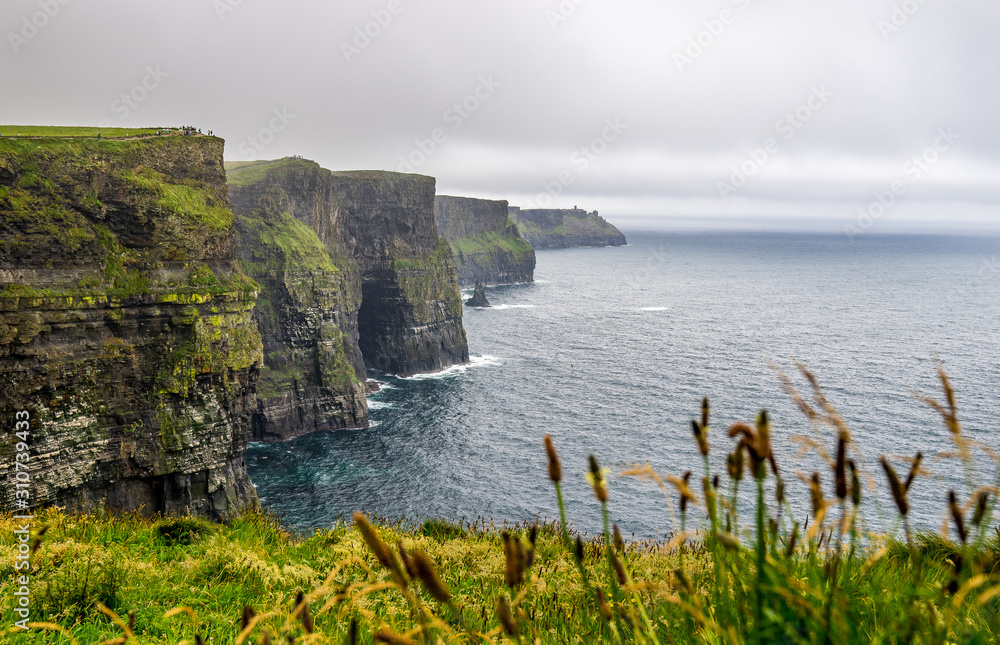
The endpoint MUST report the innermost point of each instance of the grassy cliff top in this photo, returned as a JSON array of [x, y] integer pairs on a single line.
[[245, 173], [76, 132]]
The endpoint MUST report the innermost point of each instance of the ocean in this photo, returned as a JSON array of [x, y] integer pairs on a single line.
[[611, 351]]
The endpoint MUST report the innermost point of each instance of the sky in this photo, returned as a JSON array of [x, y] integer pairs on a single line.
[[860, 115]]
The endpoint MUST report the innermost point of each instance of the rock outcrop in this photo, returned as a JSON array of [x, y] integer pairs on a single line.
[[381, 226], [307, 313], [487, 245], [126, 327], [478, 298], [562, 229]]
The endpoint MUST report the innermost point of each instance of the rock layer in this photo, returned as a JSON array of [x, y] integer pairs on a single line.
[[126, 328], [307, 313], [562, 229], [379, 226], [487, 245]]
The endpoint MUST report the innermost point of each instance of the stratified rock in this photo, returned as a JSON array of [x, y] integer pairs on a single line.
[[487, 245], [563, 229], [307, 313], [126, 328], [409, 315], [478, 299]]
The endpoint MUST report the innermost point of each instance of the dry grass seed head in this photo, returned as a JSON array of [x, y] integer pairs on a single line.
[[555, 466], [386, 635], [429, 576], [895, 487], [956, 515], [505, 616], [597, 480]]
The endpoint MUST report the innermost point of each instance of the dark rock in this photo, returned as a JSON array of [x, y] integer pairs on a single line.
[[563, 229], [126, 328], [479, 297], [487, 245], [379, 225]]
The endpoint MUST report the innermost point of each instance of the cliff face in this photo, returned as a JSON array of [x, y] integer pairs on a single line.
[[409, 314], [307, 311], [562, 229], [126, 327], [487, 245]]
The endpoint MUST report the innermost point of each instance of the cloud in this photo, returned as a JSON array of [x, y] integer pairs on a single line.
[[751, 63]]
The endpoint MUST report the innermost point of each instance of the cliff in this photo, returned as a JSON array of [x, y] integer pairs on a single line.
[[561, 229], [307, 313], [487, 245], [379, 227], [126, 328]]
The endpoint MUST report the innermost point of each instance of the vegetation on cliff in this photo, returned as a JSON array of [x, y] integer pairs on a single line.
[[406, 303], [487, 245], [125, 324], [713, 581], [559, 229], [304, 311]]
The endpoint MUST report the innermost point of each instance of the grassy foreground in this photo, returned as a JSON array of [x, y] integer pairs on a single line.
[[777, 581]]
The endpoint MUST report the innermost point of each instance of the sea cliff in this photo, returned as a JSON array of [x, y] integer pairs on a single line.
[[487, 245], [126, 327], [354, 276], [561, 229]]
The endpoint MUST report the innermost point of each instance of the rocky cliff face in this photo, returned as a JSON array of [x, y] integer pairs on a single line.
[[126, 326], [561, 229], [487, 245], [409, 315], [307, 311]]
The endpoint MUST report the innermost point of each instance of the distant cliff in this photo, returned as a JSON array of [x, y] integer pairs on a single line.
[[354, 276], [561, 229], [126, 328], [487, 245]]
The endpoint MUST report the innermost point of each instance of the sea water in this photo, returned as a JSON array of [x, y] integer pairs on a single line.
[[611, 350]]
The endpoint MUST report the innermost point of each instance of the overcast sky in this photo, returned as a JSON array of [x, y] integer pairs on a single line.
[[866, 113]]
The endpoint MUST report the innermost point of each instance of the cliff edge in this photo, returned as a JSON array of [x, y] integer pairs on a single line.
[[563, 229], [400, 310], [487, 245], [126, 328]]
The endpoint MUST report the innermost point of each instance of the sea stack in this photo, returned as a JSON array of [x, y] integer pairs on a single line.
[[478, 299]]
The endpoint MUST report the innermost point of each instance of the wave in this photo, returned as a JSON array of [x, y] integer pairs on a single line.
[[502, 307], [455, 370], [374, 404]]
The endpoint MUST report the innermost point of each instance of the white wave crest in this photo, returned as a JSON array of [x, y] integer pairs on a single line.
[[455, 370]]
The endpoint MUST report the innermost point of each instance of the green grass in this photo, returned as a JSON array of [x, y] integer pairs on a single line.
[[246, 173], [489, 242], [72, 132], [770, 580]]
